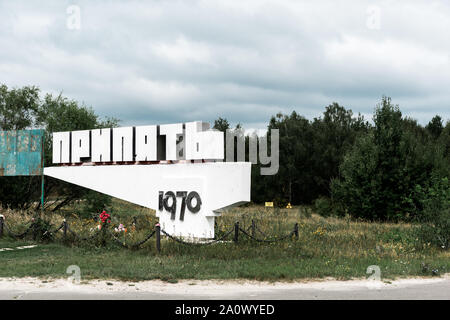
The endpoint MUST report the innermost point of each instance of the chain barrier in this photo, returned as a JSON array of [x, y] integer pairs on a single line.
[[254, 227], [54, 231], [265, 240], [81, 238], [20, 235], [133, 246], [30, 228], [236, 229], [259, 230], [198, 244]]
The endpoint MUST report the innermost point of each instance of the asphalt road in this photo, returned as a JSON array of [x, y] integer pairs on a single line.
[[436, 288]]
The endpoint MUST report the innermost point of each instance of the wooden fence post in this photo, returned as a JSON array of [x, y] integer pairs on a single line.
[[1, 226], [35, 228], [236, 232], [158, 237], [65, 229], [253, 229]]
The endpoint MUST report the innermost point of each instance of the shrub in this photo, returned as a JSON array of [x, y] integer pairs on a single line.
[[323, 206], [379, 174], [435, 217], [95, 202], [42, 230]]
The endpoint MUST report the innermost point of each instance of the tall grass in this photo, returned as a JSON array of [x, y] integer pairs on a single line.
[[327, 247]]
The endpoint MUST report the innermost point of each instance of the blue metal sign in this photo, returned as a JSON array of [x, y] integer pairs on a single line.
[[21, 152]]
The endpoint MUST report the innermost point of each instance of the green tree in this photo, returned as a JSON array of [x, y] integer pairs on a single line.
[[18, 107], [378, 175], [293, 182], [58, 114], [444, 140], [18, 111], [310, 154], [334, 135], [435, 127], [435, 217], [21, 109], [221, 124]]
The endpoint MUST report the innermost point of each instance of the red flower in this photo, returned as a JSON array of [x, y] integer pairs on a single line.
[[105, 217]]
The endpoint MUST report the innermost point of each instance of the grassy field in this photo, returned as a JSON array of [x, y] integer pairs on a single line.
[[327, 247]]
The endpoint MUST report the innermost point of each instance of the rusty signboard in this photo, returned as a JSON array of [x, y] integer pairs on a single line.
[[21, 152]]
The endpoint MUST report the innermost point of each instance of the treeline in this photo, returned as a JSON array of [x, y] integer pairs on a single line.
[[387, 169], [345, 165], [23, 108]]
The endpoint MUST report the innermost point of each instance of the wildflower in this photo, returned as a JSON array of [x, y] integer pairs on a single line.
[[120, 228], [105, 217]]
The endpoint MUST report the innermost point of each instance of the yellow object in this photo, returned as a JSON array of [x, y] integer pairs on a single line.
[[269, 204], [289, 206]]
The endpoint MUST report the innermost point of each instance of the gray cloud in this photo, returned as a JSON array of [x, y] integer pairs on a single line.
[[170, 61]]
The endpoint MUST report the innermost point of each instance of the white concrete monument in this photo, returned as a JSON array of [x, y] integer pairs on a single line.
[[176, 169]]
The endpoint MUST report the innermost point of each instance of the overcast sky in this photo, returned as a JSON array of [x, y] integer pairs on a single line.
[[155, 62]]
